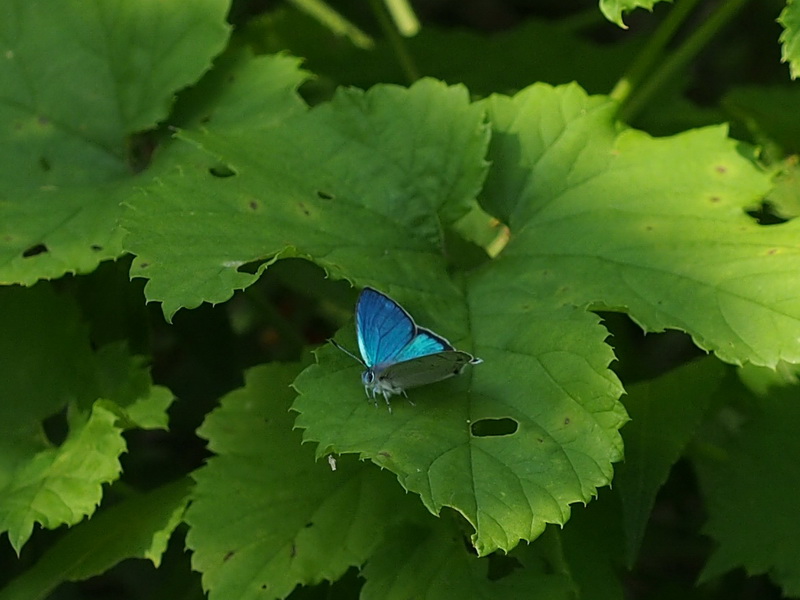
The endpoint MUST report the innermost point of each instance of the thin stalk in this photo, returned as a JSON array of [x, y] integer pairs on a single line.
[[396, 40], [681, 57], [334, 21], [652, 51]]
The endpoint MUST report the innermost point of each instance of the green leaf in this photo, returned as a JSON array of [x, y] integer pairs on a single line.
[[78, 79], [545, 375], [750, 484], [297, 187], [433, 562], [138, 527], [265, 516], [790, 37], [664, 415], [613, 9], [62, 485], [47, 365], [655, 227]]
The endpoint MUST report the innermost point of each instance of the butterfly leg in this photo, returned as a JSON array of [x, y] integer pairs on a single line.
[[386, 396], [410, 401]]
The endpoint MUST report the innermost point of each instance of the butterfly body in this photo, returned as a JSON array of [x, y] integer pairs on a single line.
[[396, 353]]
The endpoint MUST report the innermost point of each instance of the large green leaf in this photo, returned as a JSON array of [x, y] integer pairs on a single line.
[[138, 527], [369, 175], [265, 516], [76, 80], [657, 228]]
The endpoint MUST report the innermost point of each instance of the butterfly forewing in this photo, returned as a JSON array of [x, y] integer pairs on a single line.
[[383, 327]]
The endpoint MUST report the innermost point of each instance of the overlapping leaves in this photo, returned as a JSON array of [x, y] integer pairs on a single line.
[[77, 80], [599, 217]]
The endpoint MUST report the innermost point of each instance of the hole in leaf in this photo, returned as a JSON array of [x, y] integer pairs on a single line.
[[222, 171], [494, 427], [324, 195], [765, 214], [56, 427], [34, 250]]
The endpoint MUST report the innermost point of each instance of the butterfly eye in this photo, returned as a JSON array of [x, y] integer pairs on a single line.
[[367, 377]]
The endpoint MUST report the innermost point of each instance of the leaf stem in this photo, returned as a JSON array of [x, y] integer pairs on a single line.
[[396, 40], [681, 57], [652, 51]]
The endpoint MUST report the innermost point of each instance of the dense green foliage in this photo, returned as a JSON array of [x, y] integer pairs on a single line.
[[192, 195]]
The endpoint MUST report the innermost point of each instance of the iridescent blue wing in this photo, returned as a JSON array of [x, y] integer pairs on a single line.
[[383, 327], [426, 369], [423, 343]]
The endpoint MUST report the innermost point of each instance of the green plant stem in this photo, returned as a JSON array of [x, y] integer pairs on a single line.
[[335, 22], [396, 40], [681, 57], [652, 51]]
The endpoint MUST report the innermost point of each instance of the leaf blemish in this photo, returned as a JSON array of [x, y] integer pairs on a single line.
[[721, 169], [714, 199], [96, 248], [324, 195], [304, 209], [228, 556], [494, 427], [221, 171], [35, 250], [253, 204]]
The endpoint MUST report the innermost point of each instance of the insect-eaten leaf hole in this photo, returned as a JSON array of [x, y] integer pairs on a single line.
[[494, 427], [766, 214], [324, 195], [34, 250], [221, 171]]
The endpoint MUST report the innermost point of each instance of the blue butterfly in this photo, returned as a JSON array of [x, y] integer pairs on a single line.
[[396, 353]]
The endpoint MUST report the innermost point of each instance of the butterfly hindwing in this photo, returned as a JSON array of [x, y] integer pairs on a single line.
[[425, 369], [383, 327], [424, 343]]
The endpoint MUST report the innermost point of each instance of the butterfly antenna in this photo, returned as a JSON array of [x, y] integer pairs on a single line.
[[345, 350]]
